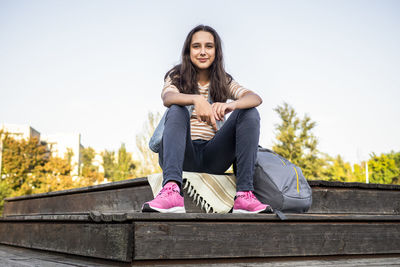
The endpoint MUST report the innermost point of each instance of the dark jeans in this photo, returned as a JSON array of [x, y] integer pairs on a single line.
[[236, 140]]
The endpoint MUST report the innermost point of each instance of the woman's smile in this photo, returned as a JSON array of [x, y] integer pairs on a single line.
[[202, 50]]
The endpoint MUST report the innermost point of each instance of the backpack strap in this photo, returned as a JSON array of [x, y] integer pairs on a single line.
[[280, 215]]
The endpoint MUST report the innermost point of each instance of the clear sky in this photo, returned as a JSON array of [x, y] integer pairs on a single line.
[[97, 67]]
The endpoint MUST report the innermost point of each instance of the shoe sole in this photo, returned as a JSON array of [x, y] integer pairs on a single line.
[[266, 210], [148, 208]]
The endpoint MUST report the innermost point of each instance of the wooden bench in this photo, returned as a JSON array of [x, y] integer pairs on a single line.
[[103, 221]]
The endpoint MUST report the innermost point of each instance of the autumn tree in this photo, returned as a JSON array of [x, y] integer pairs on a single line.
[[89, 172], [22, 164]]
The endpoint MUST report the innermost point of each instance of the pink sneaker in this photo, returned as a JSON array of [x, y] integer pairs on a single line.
[[169, 200], [246, 202]]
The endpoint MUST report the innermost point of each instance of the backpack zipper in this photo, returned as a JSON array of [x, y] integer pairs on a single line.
[[276, 155], [297, 177]]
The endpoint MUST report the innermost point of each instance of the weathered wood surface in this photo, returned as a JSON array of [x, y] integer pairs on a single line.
[[231, 217], [337, 184], [112, 198], [108, 241], [109, 200], [191, 240], [101, 187], [150, 236], [124, 196], [350, 200], [11, 256], [96, 216], [22, 257]]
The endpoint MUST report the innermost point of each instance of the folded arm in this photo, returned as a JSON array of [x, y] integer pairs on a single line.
[[203, 109], [248, 100]]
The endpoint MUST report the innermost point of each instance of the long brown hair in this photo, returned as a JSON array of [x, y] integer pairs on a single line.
[[184, 75]]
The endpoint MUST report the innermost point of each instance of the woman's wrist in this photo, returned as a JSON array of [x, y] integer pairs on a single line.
[[196, 99]]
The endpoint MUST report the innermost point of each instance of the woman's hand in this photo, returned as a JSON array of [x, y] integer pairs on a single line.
[[204, 111], [221, 109]]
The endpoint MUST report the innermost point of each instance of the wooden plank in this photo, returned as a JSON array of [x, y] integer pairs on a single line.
[[22, 257], [16, 257], [190, 240], [96, 216], [130, 198], [107, 241], [121, 199], [101, 187], [49, 217], [349, 261], [131, 194], [214, 217], [322, 183], [350, 200]]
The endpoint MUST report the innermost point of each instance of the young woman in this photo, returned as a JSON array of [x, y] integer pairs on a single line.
[[196, 136]]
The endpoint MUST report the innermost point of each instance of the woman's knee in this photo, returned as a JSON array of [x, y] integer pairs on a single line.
[[178, 111], [250, 114]]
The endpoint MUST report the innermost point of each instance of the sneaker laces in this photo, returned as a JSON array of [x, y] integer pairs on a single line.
[[167, 191], [248, 195]]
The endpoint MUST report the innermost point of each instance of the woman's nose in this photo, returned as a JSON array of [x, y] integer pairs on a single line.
[[203, 51]]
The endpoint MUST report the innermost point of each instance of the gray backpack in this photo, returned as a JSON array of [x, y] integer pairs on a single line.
[[280, 183]]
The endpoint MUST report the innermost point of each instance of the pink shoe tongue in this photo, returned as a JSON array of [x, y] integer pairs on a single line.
[[172, 186]]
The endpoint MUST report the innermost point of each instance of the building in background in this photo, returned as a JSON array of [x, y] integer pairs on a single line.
[[66, 145], [63, 145], [20, 131]]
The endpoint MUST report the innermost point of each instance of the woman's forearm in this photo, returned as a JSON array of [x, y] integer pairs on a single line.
[[249, 100], [171, 98]]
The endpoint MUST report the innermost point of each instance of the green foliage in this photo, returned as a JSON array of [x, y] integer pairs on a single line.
[[88, 155], [5, 191], [339, 170], [22, 161], [296, 142], [383, 168], [120, 168], [109, 164], [125, 166]]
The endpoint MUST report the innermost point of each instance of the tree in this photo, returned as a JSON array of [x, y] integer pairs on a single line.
[[22, 162], [148, 160], [338, 170], [109, 163], [296, 142], [118, 168], [89, 172], [383, 169], [125, 165], [396, 157]]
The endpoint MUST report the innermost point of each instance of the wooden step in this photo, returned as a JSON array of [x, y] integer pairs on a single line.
[[328, 197], [11, 256], [135, 236]]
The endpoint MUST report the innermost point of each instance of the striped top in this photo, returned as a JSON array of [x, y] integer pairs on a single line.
[[200, 129]]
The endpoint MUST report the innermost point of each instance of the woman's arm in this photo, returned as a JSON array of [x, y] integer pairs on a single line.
[[247, 100], [203, 109]]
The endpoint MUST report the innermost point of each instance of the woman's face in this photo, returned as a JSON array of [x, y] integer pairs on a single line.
[[202, 50]]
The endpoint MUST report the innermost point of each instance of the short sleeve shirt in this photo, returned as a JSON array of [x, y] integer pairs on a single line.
[[200, 129]]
